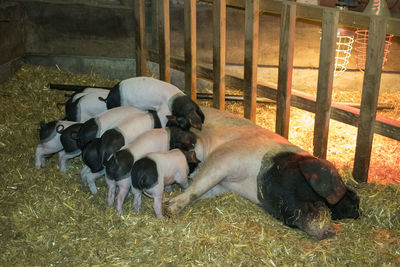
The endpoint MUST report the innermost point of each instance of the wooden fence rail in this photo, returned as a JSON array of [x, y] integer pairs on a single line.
[[364, 118]]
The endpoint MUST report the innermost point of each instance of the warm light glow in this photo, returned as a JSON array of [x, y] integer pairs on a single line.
[[361, 43], [344, 44]]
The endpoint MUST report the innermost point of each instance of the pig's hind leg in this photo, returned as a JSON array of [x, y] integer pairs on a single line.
[[137, 198], [157, 206], [44, 149], [91, 178], [40, 161], [111, 187], [123, 186], [63, 157], [84, 172]]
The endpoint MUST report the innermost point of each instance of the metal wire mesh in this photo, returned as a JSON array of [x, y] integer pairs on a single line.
[[344, 45], [361, 48]]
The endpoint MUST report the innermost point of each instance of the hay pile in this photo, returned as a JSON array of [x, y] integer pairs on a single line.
[[48, 218]]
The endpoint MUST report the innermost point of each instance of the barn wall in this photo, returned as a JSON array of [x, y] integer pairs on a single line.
[[87, 29], [11, 39], [78, 29], [88, 35]]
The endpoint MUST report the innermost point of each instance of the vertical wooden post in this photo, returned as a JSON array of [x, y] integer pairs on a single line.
[[327, 54], [154, 31], [251, 58], [286, 48], [370, 94], [140, 36], [190, 48], [219, 53], [164, 40]]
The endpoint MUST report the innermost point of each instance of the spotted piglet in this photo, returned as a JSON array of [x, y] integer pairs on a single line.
[[96, 153], [119, 166], [57, 136], [155, 171], [95, 127], [85, 104], [151, 94]]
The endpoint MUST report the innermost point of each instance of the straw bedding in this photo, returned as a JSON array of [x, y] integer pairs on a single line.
[[48, 218]]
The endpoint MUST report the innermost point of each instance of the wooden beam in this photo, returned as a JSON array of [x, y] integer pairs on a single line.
[[190, 48], [164, 39], [219, 53], [251, 58], [370, 94], [140, 42], [325, 81], [349, 115], [313, 12], [154, 33], [286, 48]]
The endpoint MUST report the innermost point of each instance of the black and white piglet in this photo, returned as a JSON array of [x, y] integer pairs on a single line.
[[151, 94], [97, 152], [119, 166], [155, 171], [85, 104], [57, 136], [95, 127]]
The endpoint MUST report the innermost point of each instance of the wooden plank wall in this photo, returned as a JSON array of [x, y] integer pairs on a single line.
[[365, 118]]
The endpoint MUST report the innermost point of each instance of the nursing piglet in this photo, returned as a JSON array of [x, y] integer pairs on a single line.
[[155, 171], [95, 127], [53, 137], [119, 166], [96, 153], [86, 104], [151, 94]]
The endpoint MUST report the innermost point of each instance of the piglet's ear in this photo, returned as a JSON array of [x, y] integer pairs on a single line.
[[323, 177], [172, 121], [194, 120], [201, 114], [191, 157]]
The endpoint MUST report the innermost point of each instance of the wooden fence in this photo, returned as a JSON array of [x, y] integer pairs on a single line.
[[364, 118]]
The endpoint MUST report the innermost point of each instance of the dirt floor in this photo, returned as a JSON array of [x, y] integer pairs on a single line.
[[48, 218]]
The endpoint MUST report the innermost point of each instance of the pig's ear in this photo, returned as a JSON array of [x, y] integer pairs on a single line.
[[172, 121], [323, 177], [200, 113], [191, 157], [195, 120]]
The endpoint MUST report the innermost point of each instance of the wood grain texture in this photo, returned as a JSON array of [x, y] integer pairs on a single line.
[[325, 81], [219, 53], [369, 99], [349, 115], [251, 58], [140, 42], [164, 39], [285, 71], [190, 48]]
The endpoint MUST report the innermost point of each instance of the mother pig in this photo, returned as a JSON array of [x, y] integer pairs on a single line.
[[288, 182]]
